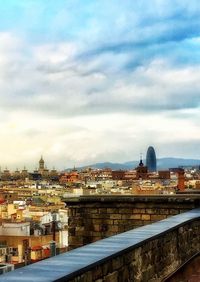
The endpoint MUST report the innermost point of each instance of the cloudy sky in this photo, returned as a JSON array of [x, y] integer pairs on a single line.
[[84, 81]]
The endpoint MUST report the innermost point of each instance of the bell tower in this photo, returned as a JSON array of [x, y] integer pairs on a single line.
[[41, 164], [141, 170]]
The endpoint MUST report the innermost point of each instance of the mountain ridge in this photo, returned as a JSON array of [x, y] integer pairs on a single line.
[[162, 163]]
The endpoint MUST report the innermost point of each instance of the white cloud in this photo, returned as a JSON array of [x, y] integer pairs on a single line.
[[75, 111]]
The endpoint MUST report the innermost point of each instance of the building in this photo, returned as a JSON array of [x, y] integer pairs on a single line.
[[151, 159], [141, 171], [41, 165], [164, 174], [15, 229], [118, 174]]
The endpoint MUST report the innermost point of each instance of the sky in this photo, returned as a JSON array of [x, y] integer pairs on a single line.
[[84, 81]]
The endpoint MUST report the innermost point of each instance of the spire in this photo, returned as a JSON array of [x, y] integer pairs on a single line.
[[141, 162]]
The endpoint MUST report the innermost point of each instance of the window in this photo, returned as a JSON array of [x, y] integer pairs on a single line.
[[15, 252]]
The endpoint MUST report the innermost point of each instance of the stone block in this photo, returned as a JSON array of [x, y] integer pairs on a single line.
[[115, 216], [128, 258], [126, 216], [97, 273], [86, 277], [146, 217], [96, 215], [139, 211], [108, 221], [108, 233], [112, 210], [80, 228], [92, 211], [122, 211], [114, 228], [123, 274], [96, 221], [102, 210], [104, 216], [163, 211], [137, 223], [135, 216], [157, 217], [150, 211], [97, 227], [107, 267], [75, 240], [117, 221], [117, 262], [71, 230], [112, 277]]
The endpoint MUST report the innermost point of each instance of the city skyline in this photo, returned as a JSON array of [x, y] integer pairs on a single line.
[[98, 81], [164, 163]]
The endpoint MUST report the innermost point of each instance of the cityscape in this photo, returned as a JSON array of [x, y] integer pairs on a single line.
[[33, 208], [99, 147]]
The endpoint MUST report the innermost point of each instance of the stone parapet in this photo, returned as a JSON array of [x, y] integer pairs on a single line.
[[148, 253], [92, 218]]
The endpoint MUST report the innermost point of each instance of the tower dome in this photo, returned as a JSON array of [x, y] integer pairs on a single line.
[[151, 159]]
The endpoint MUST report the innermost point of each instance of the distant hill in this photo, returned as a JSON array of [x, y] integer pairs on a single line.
[[176, 162], [162, 163]]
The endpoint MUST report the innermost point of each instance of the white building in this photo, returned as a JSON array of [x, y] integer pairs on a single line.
[[15, 229]]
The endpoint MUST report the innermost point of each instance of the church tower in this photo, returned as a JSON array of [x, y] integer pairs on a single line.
[[141, 170], [41, 164]]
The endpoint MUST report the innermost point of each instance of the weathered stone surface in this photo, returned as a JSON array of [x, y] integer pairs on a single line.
[[97, 273], [113, 277], [117, 263]]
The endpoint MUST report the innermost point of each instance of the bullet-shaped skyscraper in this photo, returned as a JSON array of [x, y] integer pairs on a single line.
[[151, 159]]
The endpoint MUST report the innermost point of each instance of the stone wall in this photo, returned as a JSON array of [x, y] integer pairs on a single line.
[[92, 218], [152, 261], [146, 254]]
